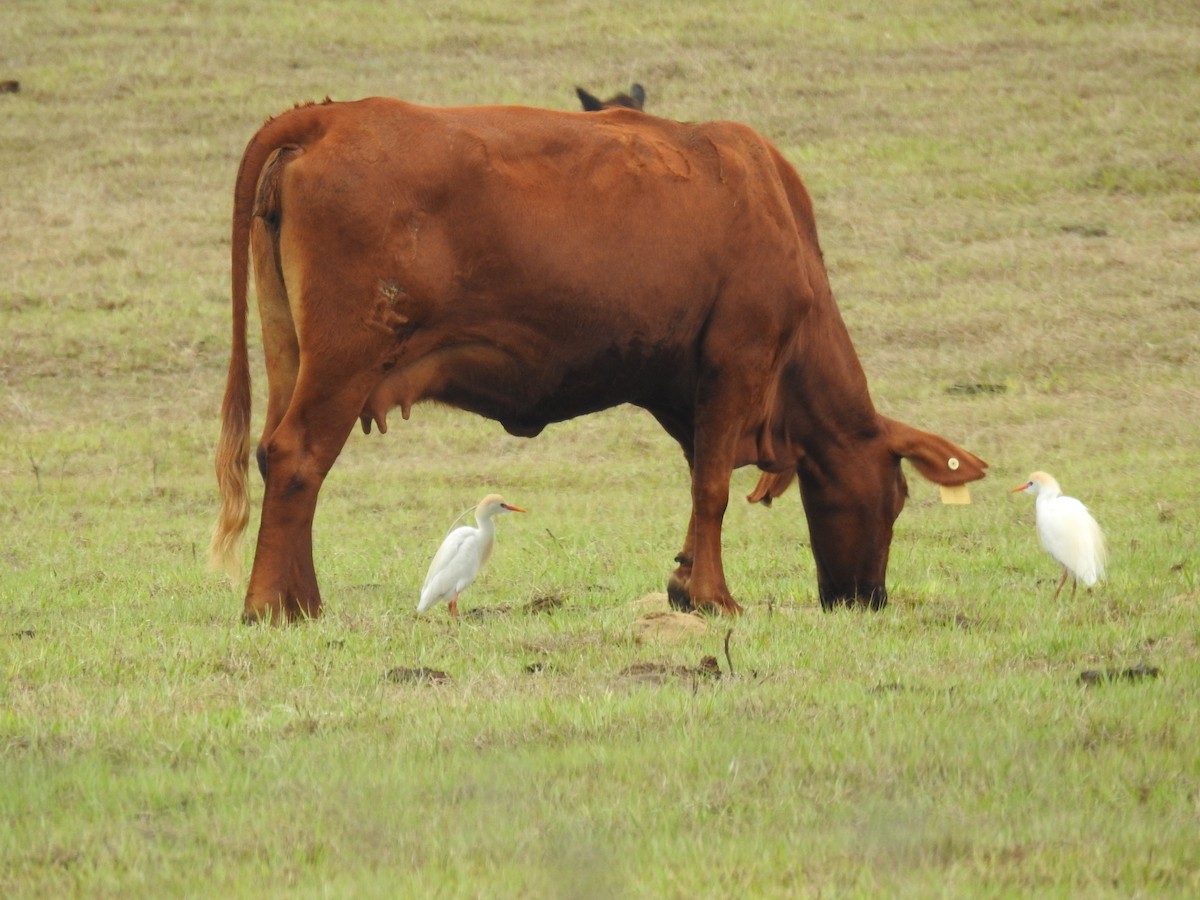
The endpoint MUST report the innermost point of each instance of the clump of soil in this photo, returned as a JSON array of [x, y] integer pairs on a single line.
[[1095, 677], [418, 675], [541, 605], [660, 673]]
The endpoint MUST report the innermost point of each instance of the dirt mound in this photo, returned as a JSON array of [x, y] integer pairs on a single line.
[[668, 627]]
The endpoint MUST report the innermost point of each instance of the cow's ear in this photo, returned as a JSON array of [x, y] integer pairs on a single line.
[[638, 93], [590, 103], [936, 458]]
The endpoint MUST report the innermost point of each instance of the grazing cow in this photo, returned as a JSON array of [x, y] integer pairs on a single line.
[[532, 266], [635, 99]]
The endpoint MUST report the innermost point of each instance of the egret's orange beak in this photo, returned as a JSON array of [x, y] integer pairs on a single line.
[[1021, 487], [512, 508]]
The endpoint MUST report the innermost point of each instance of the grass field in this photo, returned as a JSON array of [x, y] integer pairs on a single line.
[[1009, 203]]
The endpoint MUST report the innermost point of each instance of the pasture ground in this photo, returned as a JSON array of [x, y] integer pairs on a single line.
[[1009, 203]]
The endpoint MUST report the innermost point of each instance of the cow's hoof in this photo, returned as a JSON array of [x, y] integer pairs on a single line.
[[265, 615], [677, 593], [298, 613], [257, 617], [872, 598], [726, 607], [681, 601]]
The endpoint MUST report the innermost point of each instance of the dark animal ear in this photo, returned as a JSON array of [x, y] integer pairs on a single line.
[[638, 93], [936, 458], [590, 103]]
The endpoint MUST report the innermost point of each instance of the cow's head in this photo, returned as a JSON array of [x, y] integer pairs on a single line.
[[635, 99], [853, 491]]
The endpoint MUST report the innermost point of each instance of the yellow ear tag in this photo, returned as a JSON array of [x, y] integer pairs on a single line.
[[958, 495]]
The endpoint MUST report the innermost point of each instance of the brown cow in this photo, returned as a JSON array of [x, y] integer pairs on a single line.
[[635, 99], [532, 266]]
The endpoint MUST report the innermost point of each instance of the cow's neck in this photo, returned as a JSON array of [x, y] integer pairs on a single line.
[[825, 404]]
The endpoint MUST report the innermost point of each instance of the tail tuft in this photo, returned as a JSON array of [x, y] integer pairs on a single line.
[[232, 468]]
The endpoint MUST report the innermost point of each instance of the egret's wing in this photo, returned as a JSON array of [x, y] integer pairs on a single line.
[[444, 574], [1070, 534], [1087, 542], [1099, 551]]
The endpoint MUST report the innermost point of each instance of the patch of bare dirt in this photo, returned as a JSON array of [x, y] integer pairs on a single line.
[[667, 627], [1097, 677], [661, 673], [542, 605]]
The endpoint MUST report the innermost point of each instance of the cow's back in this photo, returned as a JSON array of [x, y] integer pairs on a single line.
[[570, 202]]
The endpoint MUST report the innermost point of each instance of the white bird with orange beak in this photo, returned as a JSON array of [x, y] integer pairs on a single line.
[[1067, 532], [462, 556]]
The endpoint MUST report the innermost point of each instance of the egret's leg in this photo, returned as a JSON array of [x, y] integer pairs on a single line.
[[454, 607], [1066, 572]]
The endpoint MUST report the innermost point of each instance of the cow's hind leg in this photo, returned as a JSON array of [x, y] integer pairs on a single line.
[[299, 454], [678, 585], [681, 428]]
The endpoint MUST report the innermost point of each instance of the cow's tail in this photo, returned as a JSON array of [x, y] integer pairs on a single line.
[[233, 446], [294, 129]]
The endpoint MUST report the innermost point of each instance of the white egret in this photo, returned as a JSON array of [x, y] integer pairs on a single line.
[[462, 556], [1067, 532]]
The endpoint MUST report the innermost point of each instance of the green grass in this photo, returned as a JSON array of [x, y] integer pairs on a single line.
[[1008, 195]]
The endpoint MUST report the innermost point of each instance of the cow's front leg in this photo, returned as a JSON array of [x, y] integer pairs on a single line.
[[706, 588], [724, 394], [699, 582]]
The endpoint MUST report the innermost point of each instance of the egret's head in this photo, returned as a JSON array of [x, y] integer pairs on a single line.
[[493, 504], [1040, 483]]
